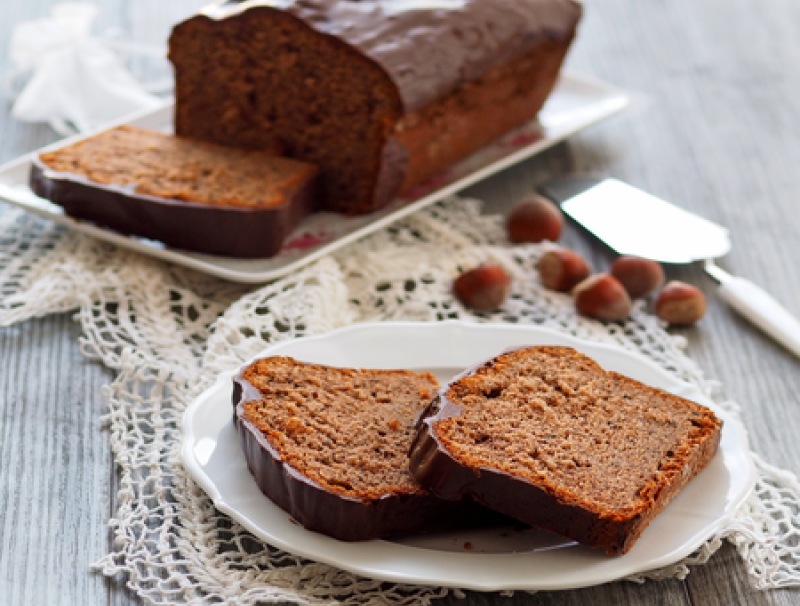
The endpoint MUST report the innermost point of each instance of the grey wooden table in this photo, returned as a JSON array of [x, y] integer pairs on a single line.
[[715, 127]]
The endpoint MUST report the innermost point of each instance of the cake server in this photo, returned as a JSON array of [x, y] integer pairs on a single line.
[[632, 222]]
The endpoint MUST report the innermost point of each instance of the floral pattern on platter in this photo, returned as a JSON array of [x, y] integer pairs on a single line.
[[307, 240]]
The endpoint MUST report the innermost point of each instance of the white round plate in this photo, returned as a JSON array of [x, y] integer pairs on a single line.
[[487, 560]]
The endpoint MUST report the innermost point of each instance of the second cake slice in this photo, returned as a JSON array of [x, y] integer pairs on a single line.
[[545, 435], [183, 193]]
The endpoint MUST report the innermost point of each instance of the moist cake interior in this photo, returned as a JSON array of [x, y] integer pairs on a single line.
[[556, 419], [347, 430], [328, 104]]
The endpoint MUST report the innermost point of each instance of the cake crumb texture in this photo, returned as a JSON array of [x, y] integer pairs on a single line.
[[156, 164], [546, 436], [554, 417], [273, 77], [347, 430]]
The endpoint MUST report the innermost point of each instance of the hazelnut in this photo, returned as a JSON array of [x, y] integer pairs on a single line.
[[562, 269], [484, 288], [602, 296], [639, 276], [680, 303], [534, 219]]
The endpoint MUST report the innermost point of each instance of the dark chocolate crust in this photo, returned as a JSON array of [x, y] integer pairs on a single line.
[[433, 467], [228, 231], [428, 47], [337, 516]]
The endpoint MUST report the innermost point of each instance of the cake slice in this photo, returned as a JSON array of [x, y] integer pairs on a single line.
[[545, 435], [330, 447], [184, 193]]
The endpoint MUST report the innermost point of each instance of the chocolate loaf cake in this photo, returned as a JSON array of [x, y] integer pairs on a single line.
[[187, 194], [329, 446], [545, 435], [381, 94]]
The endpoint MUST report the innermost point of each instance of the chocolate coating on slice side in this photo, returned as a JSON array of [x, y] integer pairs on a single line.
[[215, 230], [544, 505], [345, 518]]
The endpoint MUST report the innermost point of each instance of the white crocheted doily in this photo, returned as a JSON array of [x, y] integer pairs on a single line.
[[169, 331]]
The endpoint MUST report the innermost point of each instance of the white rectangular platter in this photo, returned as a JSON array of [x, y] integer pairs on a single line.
[[576, 103]]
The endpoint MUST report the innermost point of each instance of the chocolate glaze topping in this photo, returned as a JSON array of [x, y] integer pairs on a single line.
[[428, 47]]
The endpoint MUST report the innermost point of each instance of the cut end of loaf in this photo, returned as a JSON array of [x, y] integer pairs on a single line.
[[274, 78]]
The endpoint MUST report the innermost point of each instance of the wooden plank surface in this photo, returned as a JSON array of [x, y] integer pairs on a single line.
[[715, 127]]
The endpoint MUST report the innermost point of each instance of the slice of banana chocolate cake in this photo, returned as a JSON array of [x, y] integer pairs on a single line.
[[185, 193], [330, 446], [545, 435]]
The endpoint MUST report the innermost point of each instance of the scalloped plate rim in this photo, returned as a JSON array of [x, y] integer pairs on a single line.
[[474, 571]]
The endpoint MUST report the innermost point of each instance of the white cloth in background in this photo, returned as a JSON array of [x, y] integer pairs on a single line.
[[72, 80]]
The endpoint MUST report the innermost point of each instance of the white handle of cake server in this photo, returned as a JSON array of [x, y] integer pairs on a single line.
[[758, 306]]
